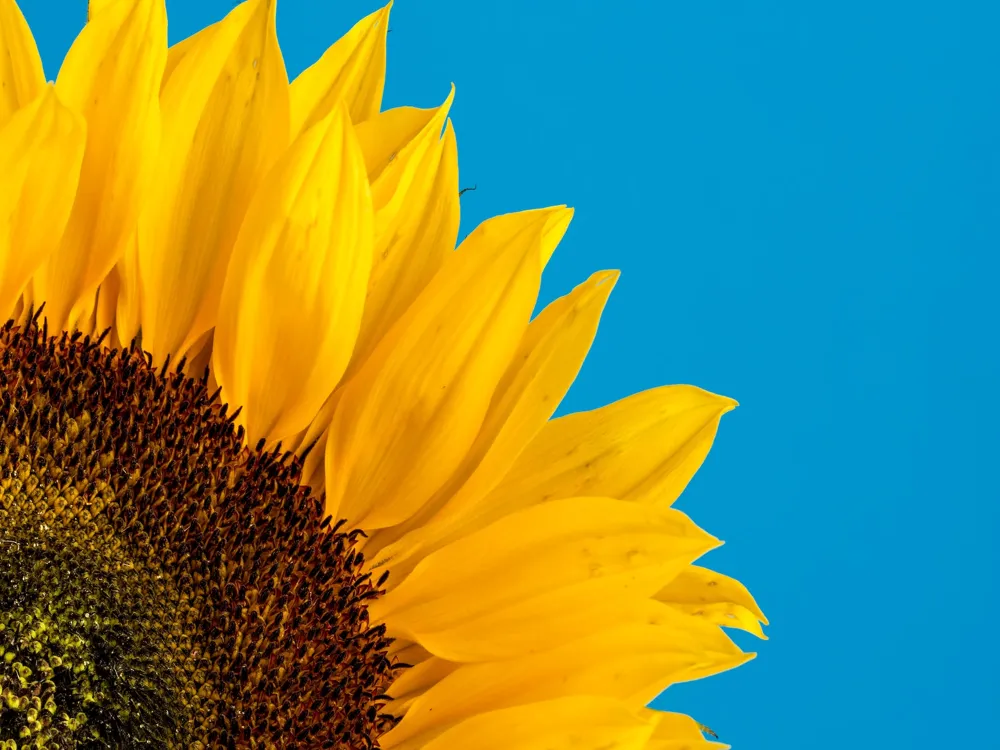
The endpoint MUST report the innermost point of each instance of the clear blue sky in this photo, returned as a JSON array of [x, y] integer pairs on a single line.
[[803, 199]]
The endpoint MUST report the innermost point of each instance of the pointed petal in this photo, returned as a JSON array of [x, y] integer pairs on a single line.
[[540, 374], [409, 415], [112, 76], [643, 448], [21, 76], [575, 723], [545, 622], [176, 52], [386, 134], [225, 121], [679, 732], [555, 220], [41, 149], [533, 553], [293, 297], [351, 71], [632, 664], [715, 597], [416, 226]]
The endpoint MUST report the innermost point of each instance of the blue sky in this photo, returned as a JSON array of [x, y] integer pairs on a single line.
[[803, 199]]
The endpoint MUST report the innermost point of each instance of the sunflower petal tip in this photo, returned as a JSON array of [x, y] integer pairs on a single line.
[[610, 276]]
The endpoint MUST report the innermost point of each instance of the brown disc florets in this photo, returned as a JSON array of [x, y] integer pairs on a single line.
[[161, 585]]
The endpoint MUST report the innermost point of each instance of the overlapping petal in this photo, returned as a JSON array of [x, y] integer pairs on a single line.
[[111, 75], [41, 149], [540, 373], [573, 723], [295, 290], [626, 548], [409, 415], [351, 72], [632, 663], [715, 597], [21, 75], [225, 123]]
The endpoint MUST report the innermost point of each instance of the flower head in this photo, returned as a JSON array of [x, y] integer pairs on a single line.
[[278, 466]]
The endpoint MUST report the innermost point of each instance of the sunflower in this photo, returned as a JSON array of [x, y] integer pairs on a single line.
[[278, 467]]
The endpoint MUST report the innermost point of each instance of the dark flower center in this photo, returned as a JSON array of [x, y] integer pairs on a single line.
[[161, 585]]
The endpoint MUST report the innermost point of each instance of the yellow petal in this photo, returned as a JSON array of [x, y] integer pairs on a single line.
[[555, 220], [107, 303], [97, 6], [576, 723], [127, 311], [430, 236], [416, 680], [531, 554], [496, 232], [386, 134], [21, 76], [540, 374], [176, 52], [351, 71], [632, 664], [292, 301], [719, 599], [643, 448], [225, 121], [409, 415], [112, 76], [416, 226], [679, 732], [41, 149], [545, 622]]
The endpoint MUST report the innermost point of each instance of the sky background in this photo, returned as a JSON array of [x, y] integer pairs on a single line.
[[803, 200]]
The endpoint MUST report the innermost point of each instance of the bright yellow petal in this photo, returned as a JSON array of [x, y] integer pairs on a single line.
[[540, 374], [112, 76], [127, 313], [225, 122], [555, 220], [21, 76], [632, 664], [679, 732], [545, 622], [643, 448], [717, 598], [41, 149], [351, 71], [107, 303], [416, 226], [176, 52], [386, 134], [422, 242], [550, 223], [416, 680], [409, 415], [97, 6], [577, 723], [292, 301], [531, 554]]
